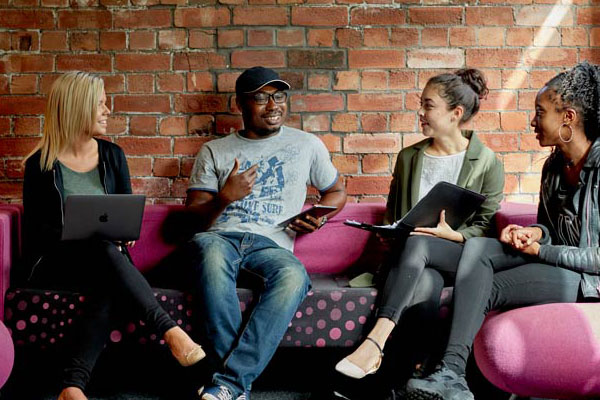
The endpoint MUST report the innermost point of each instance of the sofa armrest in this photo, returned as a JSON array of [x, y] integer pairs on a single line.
[[6, 255]]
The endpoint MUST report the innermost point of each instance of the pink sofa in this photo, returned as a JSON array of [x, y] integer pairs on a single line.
[[545, 351]]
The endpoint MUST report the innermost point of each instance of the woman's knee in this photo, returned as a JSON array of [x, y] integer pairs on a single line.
[[429, 287], [477, 250], [415, 253], [478, 244]]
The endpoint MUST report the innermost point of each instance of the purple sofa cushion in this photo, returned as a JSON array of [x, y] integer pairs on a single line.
[[331, 250], [336, 246], [332, 315], [515, 213], [7, 354], [152, 247], [549, 351]]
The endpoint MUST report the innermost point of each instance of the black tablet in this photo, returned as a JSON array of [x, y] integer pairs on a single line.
[[316, 211]]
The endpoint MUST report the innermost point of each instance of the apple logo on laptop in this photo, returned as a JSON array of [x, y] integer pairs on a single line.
[[103, 217]]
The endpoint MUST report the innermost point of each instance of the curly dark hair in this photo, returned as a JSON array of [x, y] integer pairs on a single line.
[[464, 87], [579, 88]]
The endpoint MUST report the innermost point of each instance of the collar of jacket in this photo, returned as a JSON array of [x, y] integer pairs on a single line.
[[593, 158], [474, 149], [551, 182]]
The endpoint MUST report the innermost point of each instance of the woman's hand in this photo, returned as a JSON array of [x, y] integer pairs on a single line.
[[533, 249], [442, 230], [524, 239], [520, 237]]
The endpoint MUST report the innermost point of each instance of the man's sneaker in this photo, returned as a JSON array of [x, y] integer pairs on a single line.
[[219, 393], [444, 384]]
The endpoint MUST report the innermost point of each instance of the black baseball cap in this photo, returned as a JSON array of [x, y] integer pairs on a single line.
[[255, 78]]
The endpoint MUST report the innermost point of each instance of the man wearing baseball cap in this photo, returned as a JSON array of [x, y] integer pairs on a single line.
[[243, 186]]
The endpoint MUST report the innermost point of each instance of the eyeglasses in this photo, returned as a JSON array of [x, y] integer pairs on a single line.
[[263, 97]]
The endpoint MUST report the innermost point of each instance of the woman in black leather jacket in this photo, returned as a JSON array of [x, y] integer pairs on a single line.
[[69, 160], [554, 261]]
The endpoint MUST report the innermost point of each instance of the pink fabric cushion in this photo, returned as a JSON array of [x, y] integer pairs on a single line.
[[330, 250], [515, 213], [335, 247], [152, 247], [7, 354], [550, 351], [5, 256]]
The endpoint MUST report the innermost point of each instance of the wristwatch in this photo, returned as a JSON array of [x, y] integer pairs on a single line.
[[323, 221]]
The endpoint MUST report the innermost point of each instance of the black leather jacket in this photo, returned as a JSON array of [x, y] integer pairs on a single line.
[[586, 257], [43, 203]]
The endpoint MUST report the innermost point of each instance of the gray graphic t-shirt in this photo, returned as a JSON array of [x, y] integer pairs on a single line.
[[287, 163]]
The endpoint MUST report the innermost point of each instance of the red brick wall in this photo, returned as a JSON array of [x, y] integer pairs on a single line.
[[356, 68]]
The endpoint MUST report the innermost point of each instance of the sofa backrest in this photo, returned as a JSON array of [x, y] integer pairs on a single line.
[[332, 249], [336, 247]]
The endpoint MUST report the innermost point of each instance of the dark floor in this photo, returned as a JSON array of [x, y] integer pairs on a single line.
[[151, 374]]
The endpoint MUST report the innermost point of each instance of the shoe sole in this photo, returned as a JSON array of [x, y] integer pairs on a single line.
[[419, 394]]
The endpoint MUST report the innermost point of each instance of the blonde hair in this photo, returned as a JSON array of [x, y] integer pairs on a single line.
[[70, 112]]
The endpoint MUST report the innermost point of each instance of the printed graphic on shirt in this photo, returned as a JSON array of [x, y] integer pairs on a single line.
[[266, 202], [569, 229]]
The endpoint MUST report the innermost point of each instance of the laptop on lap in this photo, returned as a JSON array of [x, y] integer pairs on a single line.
[[115, 217]]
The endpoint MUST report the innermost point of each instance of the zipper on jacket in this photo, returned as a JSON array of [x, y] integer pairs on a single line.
[[104, 177], [62, 211]]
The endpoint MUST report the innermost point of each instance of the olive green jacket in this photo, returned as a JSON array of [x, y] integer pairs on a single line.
[[481, 172]]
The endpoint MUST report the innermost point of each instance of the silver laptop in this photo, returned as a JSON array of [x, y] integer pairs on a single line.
[[115, 217]]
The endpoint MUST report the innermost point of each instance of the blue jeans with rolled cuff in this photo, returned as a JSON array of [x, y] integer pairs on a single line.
[[244, 350]]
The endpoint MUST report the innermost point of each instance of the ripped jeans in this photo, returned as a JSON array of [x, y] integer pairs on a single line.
[[244, 350]]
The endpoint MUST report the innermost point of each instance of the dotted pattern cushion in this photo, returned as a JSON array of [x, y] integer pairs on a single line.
[[331, 315]]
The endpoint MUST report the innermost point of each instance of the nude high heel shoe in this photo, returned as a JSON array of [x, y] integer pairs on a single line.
[[348, 368], [192, 357]]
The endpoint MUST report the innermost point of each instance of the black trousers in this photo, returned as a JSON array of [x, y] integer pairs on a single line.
[[414, 277], [493, 276], [114, 290]]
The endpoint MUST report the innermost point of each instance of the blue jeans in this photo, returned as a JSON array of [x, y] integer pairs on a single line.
[[244, 350]]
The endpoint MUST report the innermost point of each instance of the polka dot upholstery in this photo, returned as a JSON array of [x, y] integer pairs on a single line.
[[331, 315]]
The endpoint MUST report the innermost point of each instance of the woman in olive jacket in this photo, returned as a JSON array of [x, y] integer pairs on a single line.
[[419, 265]]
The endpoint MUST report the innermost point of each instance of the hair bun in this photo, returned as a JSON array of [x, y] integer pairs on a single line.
[[475, 79]]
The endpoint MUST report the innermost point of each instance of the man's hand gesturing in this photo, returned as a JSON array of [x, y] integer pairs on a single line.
[[237, 185]]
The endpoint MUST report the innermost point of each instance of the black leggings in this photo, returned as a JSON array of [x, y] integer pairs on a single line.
[[111, 285], [493, 276], [413, 278]]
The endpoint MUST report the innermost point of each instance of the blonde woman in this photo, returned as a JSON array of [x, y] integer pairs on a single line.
[[70, 160]]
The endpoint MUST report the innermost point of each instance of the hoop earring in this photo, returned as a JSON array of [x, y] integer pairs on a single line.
[[560, 131]]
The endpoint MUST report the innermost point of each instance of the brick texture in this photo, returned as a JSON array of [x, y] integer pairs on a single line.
[[356, 68]]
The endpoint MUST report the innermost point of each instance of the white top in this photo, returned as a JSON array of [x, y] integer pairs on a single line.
[[440, 169]]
